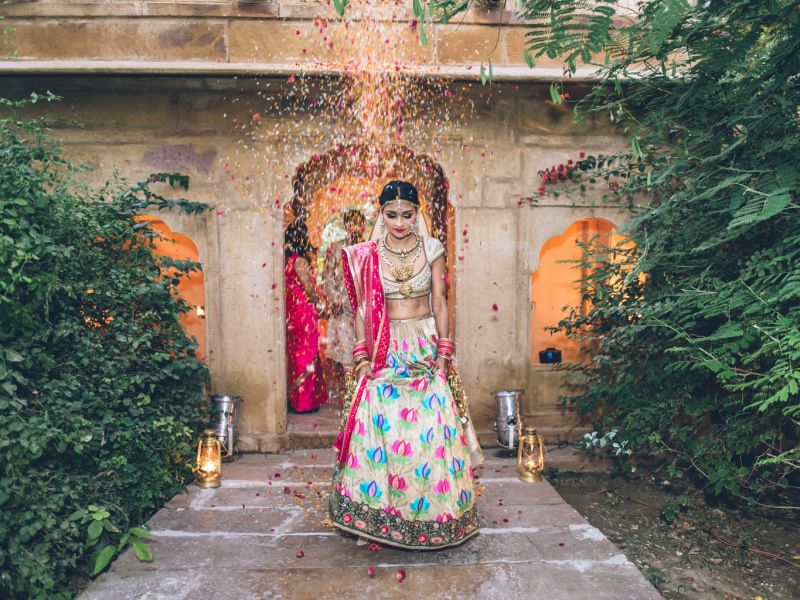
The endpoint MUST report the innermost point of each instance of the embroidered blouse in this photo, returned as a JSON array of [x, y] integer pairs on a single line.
[[420, 282]]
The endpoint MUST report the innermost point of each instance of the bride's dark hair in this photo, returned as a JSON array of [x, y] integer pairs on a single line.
[[399, 190], [296, 241]]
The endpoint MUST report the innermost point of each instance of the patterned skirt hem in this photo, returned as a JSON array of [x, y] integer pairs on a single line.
[[379, 526]]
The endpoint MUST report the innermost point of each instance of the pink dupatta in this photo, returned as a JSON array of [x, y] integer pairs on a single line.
[[362, 280]]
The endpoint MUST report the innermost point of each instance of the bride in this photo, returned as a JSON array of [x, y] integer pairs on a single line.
[[404, 475]]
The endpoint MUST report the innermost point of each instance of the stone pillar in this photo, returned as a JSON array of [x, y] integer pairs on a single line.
[[246, 326]]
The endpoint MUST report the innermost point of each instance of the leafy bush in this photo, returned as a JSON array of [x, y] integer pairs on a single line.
[[695, 331], [100, 390]]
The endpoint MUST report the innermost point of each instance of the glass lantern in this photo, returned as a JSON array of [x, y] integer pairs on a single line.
[[209, 460], [530, 456]]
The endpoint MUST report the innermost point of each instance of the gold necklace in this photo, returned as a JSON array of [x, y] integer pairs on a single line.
[[405, 270], [398, 252]]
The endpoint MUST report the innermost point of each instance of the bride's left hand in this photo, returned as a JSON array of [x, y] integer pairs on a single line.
[[442, 363]]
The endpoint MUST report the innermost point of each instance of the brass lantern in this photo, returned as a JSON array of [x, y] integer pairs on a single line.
[[530, 456], [209, 460]]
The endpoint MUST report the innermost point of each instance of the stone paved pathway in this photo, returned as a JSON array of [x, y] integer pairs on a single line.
[[242, 540]]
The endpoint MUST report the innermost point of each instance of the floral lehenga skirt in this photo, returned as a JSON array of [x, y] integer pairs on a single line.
[[407, 479]]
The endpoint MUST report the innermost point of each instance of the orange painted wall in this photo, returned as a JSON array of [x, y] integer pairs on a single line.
[[191, 288], [554, 285]]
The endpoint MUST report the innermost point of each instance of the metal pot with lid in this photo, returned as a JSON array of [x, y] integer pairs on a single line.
[[508, 420]]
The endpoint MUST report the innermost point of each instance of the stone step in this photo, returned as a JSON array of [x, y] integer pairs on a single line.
[[553, 418], [553, 433], [317, 439], [564, 458]]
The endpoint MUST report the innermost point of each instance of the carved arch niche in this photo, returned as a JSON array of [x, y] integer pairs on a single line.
[[191, 288], [555, 284]]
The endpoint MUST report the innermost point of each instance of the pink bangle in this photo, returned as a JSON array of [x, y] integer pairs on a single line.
[[360, 351], [445, 348]]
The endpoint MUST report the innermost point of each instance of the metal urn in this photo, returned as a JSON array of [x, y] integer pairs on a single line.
[[225, 421], [508, 419]]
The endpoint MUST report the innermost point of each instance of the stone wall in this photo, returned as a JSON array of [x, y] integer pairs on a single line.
[[175, 117], [241, 34]]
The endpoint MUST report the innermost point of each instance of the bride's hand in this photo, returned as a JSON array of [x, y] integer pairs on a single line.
[[442, 363], [363, 370]]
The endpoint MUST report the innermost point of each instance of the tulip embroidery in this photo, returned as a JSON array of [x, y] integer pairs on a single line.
[[377, 455], [380, 423], [427, 436], [420, 505], [370, 490], [442, 487], [398, 483], [409, 415], [402, 448], [423, 471]]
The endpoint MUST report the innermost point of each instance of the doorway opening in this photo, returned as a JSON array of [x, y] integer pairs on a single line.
[[325, 188]]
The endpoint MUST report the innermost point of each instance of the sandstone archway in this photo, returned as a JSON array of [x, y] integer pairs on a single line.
[[192, 288], [351, 176], [553, 284], [354, 174]]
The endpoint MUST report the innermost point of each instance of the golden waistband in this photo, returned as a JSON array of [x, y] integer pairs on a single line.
[[428, 316]]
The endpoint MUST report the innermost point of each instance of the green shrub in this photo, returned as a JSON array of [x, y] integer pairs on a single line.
[[100, 390], [697, 364]]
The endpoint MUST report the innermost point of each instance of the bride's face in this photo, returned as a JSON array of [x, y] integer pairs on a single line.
[[399, 218]]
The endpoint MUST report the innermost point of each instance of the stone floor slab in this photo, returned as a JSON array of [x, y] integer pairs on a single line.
[[614, 579], [262, 536], [256, 550]]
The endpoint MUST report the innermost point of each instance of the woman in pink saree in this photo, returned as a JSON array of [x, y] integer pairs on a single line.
[[306, 388], [404, 473]]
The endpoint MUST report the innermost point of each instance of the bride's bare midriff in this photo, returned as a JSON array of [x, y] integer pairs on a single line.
[[409, 309]]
